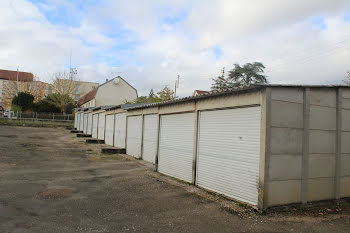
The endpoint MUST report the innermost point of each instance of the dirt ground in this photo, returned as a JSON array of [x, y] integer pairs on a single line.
[[51, 181]]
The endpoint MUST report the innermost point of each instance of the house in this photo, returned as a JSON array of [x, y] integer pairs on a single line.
[[9, 85], [113, 92], [78, 88], [199, 92]]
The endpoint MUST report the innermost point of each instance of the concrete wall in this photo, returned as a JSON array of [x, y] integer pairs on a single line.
[[344, 173], [302, 153], [114, 94]]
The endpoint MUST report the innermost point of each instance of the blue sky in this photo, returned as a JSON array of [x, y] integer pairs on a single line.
[[150, 42]]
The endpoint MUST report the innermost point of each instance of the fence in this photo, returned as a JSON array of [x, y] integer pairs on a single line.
[[42, 116]]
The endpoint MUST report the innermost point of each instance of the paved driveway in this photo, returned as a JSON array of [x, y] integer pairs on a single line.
[[50, 181]]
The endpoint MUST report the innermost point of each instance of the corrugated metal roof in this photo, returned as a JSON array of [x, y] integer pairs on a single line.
[[240, 90]]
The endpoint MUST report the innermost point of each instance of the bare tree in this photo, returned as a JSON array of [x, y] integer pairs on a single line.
[[11, 87], [64, 84], [347, 78]]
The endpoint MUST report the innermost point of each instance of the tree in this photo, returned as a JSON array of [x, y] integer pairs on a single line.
[[23, 100], [64, 84], [45, 106], [60, 101], [220, 83], [241, 76], [166, 94], [346, 81], [12, 87], [152, 97]]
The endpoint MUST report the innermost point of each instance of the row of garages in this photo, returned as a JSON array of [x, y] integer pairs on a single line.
[[247, 144]]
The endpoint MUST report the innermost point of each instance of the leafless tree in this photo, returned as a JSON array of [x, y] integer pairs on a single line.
[[347, 78], [64, 84]]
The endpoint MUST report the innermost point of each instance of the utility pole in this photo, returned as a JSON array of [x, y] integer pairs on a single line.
[[177, 81], [17, 79]]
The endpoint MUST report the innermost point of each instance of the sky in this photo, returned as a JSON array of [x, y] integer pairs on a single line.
[[149, 43]]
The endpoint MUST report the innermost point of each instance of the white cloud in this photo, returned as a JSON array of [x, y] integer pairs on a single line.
[[281, 34]]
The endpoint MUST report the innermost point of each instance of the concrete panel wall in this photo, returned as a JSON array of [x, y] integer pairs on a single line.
[[309, 149], [144, 111], [345, 145], [286, 146]]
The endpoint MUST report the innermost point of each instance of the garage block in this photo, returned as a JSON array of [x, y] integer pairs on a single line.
[[285, 114], [285, 167], [321, 165], [323, 97], [320, 189], [321, 142], [345, 186], [284, 192], [322, 117], [286, 141]]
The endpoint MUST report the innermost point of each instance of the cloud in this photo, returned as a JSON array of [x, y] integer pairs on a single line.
[[150, 42]]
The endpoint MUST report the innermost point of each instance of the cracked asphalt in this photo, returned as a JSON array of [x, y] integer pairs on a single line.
[[51, 181]]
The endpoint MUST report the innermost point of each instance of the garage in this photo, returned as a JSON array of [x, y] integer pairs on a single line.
[[85, 123], [134, 136], [101, 125], [109, 129], [94, 125], [81, 121], [89, 127], [75, 120], [120, 130], [150, 134], [176, 144], [228, 152]]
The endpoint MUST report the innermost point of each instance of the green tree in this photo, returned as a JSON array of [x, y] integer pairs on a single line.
[[152, 97], [166, 94], [220, 83], [23, 100], [45, 106], [241, 76], [62, 101]]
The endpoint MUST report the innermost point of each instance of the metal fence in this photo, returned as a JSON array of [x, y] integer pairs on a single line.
[[41, 116]]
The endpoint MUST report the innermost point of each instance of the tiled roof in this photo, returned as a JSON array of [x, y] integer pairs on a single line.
[[12, 75], [200, 92], [89, 96]]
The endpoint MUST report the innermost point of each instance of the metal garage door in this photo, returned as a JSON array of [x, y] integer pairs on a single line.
[[94, 125], [75, 120], [85, 123], [150, 133], [81, 122], [101, 126], [176, 145], [89, 129], [228, 152], [120, 130], [109, 129], [134, 134]]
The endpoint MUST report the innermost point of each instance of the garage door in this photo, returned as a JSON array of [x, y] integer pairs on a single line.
[[75, 120], [81, 126], [109, 129], [150, 133], [85, 122], [176, 145], [89, 124], [134, 134], [101, 126], [228, 152], [120, 130], [94, 125]]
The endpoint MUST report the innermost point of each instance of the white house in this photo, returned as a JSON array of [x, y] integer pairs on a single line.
[[113, 92]]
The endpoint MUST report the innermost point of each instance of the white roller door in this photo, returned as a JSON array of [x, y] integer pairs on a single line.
[[134, 134], [228, 152], [120, 130], [150, 133], [101, 126], [75, 120], [176, 145], [89, 129], [94, 125], [81, 126], [109, 129], [85, 123]]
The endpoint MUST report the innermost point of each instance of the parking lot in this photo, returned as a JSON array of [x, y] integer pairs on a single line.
[[52, 181]]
